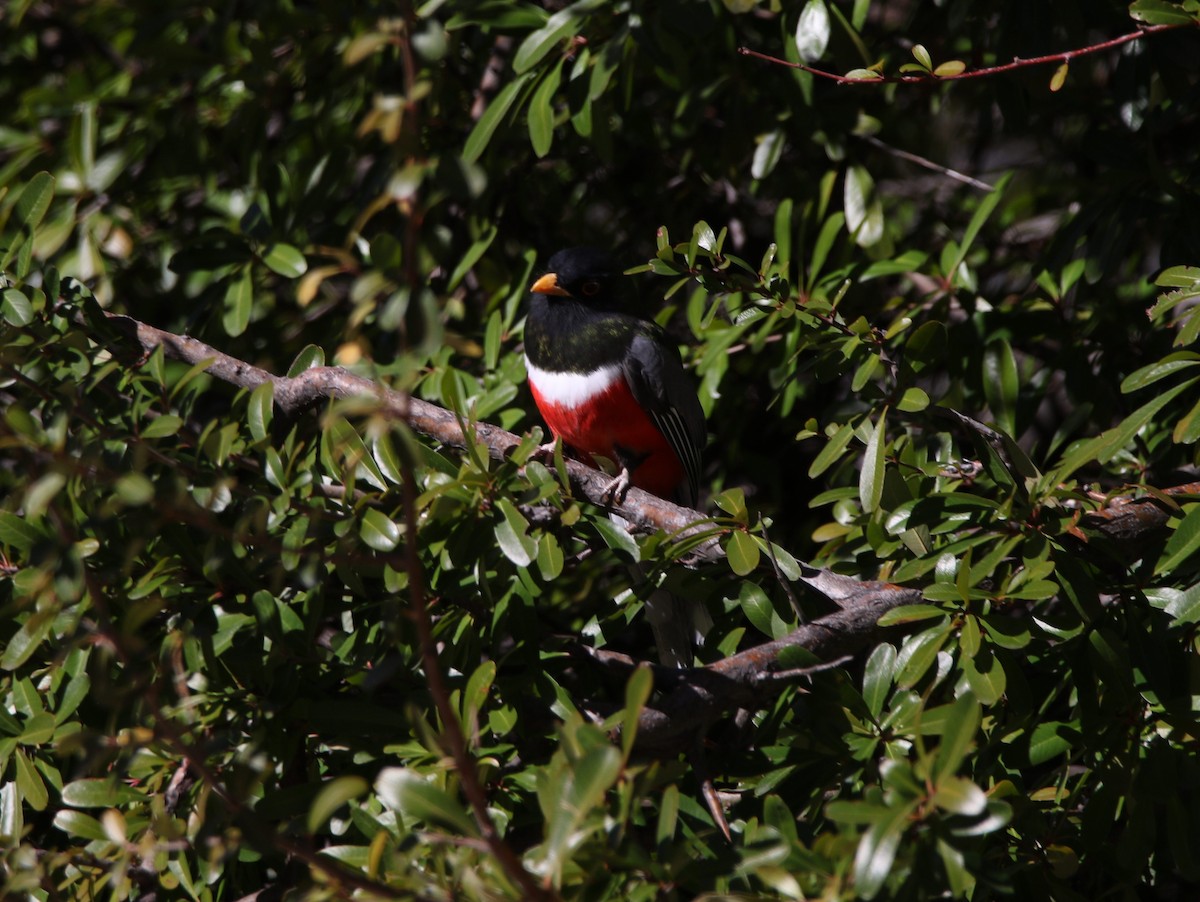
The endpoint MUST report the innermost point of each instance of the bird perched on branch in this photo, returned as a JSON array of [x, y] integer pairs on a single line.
[[612, 385]]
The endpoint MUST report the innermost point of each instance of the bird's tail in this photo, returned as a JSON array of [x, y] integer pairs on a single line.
[[678, 626]]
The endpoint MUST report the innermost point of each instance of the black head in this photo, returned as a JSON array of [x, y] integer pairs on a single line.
[[583, 273]]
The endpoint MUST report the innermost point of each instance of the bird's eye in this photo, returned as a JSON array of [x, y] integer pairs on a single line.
[[591, 289]]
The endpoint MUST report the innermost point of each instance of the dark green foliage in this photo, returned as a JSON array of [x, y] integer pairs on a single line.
[[211, 679]]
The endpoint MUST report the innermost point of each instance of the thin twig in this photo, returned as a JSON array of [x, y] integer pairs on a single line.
[[1017, 63], [928, 164]]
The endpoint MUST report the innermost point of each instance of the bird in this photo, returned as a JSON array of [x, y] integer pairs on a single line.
[[610, 384]]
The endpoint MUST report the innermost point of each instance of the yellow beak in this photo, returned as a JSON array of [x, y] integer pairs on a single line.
[[548, 284]]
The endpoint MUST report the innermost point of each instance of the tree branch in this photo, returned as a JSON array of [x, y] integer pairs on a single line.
[[314, 387], [1017, 63], [693, 698]]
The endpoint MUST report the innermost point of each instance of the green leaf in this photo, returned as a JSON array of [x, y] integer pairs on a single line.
[[38, 729], [1183, 606], [472, 256], [864, 210], [99, 793], [1051, 739], [913, 400], [558, 27], [911, 613], [135, 489], [1186, 277], [982, 213], [341, 444], [512, 534], [1148, 375], [76, 823], [960, 878], [668, 815], [583, 789], [812, 31], [1001, 384], [743, 552], [768, 152], [757, 608], [984, 675], [481, 134], [1160, 12], [550, 557], [950, 68], [863, 74], [163, 426], [540, 114], [637, 693], [332, 796], [961, 727], [378, 530], [260, 409], [239, 302], [34, 201], [16, 308], [1108, 444], [918, 654], [958, 795], [1187, 430], [970, 638], [733, 502], [877, 850], [17, 532], [286, 260], [476, 692], [26, 640], [403, 791], [833, 449], [29, 782], [1006, 632], [921, 55], [617, 537], [870, 480], [877, 677], [310, 356], [1183, 544]]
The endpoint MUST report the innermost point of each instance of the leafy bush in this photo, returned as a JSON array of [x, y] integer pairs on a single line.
[[272, 624]]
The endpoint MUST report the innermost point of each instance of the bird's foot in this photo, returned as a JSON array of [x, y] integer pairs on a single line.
[[616, 490]]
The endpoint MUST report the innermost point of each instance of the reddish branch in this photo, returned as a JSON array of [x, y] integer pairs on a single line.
[[1017, 63]]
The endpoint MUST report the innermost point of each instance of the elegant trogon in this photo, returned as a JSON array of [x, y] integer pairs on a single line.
[[612, 385]]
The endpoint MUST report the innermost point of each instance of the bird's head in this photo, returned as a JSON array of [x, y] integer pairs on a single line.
[[583, 273]]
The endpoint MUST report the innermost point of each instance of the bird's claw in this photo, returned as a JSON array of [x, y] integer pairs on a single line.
[[615, 491]]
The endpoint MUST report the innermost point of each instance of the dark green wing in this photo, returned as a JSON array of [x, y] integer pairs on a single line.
[[662, 387]]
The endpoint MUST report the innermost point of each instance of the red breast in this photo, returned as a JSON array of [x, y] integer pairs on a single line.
[[594, 413]]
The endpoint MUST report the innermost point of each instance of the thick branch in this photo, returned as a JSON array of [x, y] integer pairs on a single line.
[[314, 387], [1128, 521], [692, 698]]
